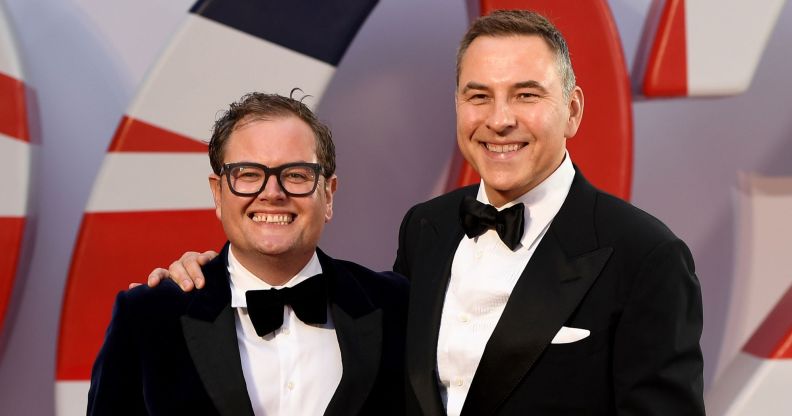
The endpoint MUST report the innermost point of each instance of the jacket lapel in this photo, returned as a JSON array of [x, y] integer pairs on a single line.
[[563, 268], [438, 243], [359, 331], [210, 333]]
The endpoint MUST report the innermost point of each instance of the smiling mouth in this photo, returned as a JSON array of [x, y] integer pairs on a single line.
[[278, 219], [503, 148]]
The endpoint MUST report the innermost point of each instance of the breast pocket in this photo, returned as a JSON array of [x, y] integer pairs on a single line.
[[594, 344]]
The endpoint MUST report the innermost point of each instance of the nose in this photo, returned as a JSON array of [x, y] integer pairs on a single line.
[[272, 190], [501, 118]]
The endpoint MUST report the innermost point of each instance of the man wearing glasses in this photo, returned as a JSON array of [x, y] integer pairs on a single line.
[[280, 328]]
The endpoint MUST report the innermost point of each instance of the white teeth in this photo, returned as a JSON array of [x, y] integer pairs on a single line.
[[281, 219], [503, 148]]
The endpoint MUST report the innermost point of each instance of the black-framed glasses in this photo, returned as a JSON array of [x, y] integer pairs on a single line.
[[248, 179]]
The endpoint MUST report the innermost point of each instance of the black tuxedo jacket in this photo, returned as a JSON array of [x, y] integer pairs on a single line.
[[172, 353], [603, 265]]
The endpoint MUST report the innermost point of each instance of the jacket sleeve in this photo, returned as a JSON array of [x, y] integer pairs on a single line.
[[402, 263], [657, 364], [116, 386]]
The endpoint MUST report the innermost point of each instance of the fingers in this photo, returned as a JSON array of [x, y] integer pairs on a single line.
[[192, 264], [206, 257], [134, 285], [179, 273], [186, 271], [156, 276]]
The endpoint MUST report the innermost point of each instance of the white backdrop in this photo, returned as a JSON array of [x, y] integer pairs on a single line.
[[391, 108]]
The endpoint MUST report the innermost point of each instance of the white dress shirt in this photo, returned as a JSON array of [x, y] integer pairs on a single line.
[[483, 274], [294, 370]]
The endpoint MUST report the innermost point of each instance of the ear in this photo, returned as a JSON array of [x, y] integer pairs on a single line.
[[331, 184], [575, 112], [216, 186]]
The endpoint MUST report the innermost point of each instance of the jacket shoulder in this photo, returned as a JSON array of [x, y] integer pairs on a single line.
[[371, 279], [619, 219], [155, 303], [381, 287]]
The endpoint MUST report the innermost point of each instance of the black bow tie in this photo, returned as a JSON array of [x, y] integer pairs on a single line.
[[308, 299], [477, 218]]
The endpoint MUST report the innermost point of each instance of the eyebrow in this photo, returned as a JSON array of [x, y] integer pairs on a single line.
[[472, 85], [531, 84]]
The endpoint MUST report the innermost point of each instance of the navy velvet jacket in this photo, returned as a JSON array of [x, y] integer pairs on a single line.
[[167, 352]]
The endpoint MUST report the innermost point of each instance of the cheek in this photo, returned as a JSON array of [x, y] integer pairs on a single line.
[[555, 122], [468, 119], [317, 211], [535, 120], [231, 208]]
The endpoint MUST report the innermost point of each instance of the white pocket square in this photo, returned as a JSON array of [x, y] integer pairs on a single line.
[[566, 335]]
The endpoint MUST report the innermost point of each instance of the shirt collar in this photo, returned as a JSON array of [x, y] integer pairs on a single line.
[[542, 202], [242, 280]]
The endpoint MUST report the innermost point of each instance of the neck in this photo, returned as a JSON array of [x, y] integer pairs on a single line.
[[274, 270], [498, 198]]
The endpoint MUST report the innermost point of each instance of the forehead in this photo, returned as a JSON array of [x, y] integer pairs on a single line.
[[271, 140], [494, 58]]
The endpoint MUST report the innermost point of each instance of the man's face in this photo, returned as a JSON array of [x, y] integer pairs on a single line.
[[272, 223], [512, 118]]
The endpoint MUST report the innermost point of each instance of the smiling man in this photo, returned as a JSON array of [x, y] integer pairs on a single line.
[[533, 292], [280, 328], [546, 296]]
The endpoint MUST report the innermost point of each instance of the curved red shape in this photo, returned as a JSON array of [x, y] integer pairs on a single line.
[[773, 338], [603, 146], [666, 67], [14, 126], [133, 135], [13, 114], [12, 230]]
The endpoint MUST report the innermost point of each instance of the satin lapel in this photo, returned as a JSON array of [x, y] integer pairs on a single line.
[[210, 333], [437, 242], [563, 268], [359, 331]]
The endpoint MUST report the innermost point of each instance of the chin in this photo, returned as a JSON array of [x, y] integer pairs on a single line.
[[268, 247], [500, 182]]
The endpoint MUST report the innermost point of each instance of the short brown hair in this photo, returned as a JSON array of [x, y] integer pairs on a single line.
[[257, 106], [522, 22]]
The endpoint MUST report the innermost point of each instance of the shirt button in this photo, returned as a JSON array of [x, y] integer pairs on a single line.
[[290, 385], [286, 331], [459, 382], [464, 319], [479, 253]]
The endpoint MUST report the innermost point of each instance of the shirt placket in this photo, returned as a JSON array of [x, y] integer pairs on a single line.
[[290, 378]]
